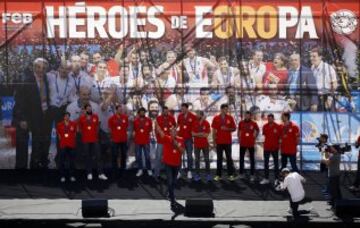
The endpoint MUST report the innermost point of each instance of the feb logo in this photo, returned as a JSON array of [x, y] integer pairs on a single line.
[[343, 22]]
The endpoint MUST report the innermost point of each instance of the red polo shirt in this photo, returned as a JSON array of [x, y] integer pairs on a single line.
[[248, 131], [118, 125], [89, 128], [201, 127], [66, 134], [272, 134], [172, 156], [165, 122], [185, 124], [223, 137], [289, 137], [142, 129]]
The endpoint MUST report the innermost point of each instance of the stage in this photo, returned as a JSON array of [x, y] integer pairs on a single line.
[[38, 198]]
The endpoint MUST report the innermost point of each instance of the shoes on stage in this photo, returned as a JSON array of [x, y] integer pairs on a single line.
[[62, 180], [231, 178], [252, 178], [241, 176], [150, 173], [264, 181], [354, 188], [89, 177], [102, 177], [217, 178], [178, 175], [197, 177], [139, 173], [189, 175], [208, 178], [72, 179]]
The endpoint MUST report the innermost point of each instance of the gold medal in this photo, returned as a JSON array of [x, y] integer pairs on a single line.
[[174, 151], [118, 127], [165, 129], [247, 134], [185, 126], [66, 135], [89, 128], [141, 130]]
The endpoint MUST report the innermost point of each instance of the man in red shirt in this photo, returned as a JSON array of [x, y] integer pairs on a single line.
[[185, 122], [355, 186], [142, 131], [248, 130], [89, 129], [163, 123], [201, 131], [223, 125], [173, 148], [271, 132], [66, 132], [118, 125], [289, 139]]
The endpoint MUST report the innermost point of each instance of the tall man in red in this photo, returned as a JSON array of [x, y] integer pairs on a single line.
[[173, 148], [118, 125], [142, 131], [201, 131], [271, 132], [89, 129], [185, 122], [248, 130], [163, 124], [289, 139], [66, 132], [223, 125]]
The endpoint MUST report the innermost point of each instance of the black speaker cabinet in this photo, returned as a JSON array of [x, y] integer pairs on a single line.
[[347, 208], [94, 208], [199, 208]]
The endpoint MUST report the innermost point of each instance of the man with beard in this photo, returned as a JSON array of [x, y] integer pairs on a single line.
[[225, 75], [80, 78], [89, 129], [31, 113]]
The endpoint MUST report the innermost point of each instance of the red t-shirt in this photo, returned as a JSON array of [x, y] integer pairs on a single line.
[[66, 134], [172, 156], [289, 137], [142, 129], [201, 127], [185, 125], [272, 134], [248, 131], [223, 137], [165, 122], [280, 77], [118, 125], [89, 128]]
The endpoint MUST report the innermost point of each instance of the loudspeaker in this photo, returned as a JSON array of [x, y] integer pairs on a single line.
[[347, 208], [199, 208], [93, 208]]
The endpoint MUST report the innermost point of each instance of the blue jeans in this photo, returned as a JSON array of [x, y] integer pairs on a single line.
[[189, 152], [138, 150], [292, 158], [171, 177], [158, 159]]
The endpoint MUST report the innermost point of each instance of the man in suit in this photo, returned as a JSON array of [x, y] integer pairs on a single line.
[[303, 91], [32, 102]]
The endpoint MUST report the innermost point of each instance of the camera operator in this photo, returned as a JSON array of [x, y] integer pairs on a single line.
[[355, 186], [332, 159]]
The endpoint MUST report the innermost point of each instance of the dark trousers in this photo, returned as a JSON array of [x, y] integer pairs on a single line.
[[205, 152], [357, 179], [275, 156], [171, 177], [93, 158], [117, 148], [252, 159], [229, 161], [66, 161], [295, 205], [292, 158], [56, 115], [334, 189], [138, 150], [189, 153]]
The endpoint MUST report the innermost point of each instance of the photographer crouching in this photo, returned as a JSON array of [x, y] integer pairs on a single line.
[[332, 159]]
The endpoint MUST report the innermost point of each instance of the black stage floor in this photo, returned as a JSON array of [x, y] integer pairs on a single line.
[[45, 184]]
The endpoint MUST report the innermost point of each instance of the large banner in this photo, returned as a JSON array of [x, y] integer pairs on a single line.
[[260, 56]]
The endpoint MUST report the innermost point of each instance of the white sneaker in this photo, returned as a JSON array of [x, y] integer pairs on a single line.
[[62, 180], [72, 179], [189, 175], [178, 175], [150, 173], [264, 181], [289, 211], [252, 178], [241, 176], [102, 177], [89, 177], [139, 173]]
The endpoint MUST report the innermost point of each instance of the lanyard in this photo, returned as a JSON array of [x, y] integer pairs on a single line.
[[222, 119], [99, 89], [57, 86], [77, 82], [227, 77], [200, 126], [135, 71], [193, 67], [142, 122]]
